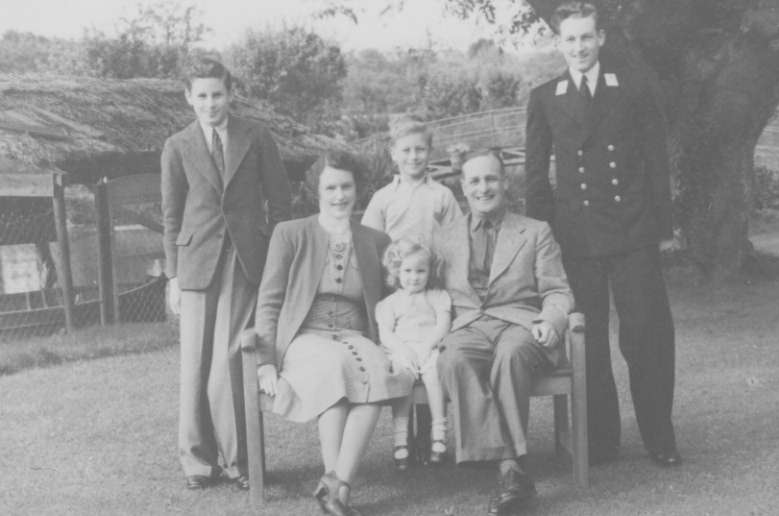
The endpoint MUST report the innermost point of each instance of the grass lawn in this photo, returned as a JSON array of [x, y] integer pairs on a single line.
[[99, 436]]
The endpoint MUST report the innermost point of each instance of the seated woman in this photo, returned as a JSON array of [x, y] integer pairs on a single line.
[[316, 330]]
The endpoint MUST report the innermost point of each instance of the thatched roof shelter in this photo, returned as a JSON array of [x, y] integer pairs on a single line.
[[92, 128]]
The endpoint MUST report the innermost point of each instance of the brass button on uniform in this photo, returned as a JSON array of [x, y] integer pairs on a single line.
[[581, 170], [583, 186], [611, 148], [617, 198], [614, 181], [613, 165], [580, 152], [586, 202]]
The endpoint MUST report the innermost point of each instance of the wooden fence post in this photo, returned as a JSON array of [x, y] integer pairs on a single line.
[[65, 274], [105, 267]]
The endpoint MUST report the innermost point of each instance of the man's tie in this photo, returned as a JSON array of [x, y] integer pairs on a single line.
[[489, 242], [584, 90], [217, 152]]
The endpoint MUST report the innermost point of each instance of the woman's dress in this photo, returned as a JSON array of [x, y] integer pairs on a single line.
[[330, 359]]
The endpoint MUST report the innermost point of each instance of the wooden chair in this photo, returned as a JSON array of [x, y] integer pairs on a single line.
[[568, 380]]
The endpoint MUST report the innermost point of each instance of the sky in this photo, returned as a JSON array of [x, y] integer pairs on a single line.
[[421, 21]]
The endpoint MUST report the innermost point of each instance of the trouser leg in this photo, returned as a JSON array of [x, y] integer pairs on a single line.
[[518, 360], [589, 281], [646, 338], [464, 368], [235, 307], [197, 447]]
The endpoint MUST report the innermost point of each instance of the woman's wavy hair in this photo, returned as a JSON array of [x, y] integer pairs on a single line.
[[342, 160], [401, 249]]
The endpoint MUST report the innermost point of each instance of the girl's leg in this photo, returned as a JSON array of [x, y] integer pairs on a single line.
[[401, 408], [435, 398], [331, 433]]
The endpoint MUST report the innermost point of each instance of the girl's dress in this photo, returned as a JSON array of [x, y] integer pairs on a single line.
[[413, 318], [330, 359]]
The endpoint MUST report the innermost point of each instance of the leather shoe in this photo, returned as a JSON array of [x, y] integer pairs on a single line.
[[515, 487], [666, 459], [241, 482], [195, 482]]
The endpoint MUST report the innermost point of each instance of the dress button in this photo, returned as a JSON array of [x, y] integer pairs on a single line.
[[583, 186], [580, 152], [612, 165], [362, 369], [359, 359], [335, 337], [581, 170], [339, 267], [615, 181], [617, 198], [338, 280], [586, 202], [350, 346], [610, 147]]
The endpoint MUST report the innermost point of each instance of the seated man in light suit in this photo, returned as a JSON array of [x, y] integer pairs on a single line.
[[510, 299]]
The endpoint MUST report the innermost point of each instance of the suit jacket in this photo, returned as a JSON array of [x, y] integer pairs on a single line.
[[296, 261], [200, 208], [527, 281], [611, 165]]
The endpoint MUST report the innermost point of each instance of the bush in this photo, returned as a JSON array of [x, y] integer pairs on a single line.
[[765, 193]]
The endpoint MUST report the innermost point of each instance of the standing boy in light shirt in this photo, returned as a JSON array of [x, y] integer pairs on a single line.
[[411, 207]]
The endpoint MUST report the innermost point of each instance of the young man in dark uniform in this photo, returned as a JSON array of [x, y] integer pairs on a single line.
[[610, 211]]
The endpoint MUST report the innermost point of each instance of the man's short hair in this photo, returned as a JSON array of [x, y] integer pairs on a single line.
[[204, 67], [573, 10], [492, 152], [404, 125]]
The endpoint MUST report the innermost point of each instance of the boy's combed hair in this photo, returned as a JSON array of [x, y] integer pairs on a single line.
[[405, 125], [573, 10], [206, 67], [401, 249]]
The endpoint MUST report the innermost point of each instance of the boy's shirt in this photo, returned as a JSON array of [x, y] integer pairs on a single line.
[[411, 211]]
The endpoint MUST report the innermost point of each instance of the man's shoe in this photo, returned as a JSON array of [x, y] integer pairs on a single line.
[[515, 487], [666, 459], [195, 482], [241, 482]]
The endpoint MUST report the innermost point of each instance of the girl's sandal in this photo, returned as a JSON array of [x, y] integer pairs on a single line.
[[437, 452], [401, 459]]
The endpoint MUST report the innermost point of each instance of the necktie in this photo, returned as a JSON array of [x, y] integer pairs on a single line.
[[584, 90], [217, 152], [489, 243]]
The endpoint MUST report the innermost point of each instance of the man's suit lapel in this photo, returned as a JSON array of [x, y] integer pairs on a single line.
[[511, 238], [238, 143], [201, 159]]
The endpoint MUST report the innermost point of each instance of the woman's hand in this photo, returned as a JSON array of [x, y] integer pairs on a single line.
[[268, 377]]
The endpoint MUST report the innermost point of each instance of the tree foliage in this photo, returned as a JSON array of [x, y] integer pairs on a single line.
[[294, 69]]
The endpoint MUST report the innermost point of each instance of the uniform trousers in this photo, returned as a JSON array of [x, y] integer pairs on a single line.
[[212, 433], [646, 340], [487, 370]]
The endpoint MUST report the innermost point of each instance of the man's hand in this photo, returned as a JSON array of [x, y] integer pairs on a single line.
[[174, 295], [545, 334], [268, 377]]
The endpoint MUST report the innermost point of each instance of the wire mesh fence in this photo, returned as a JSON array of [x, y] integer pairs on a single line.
[[114, 262]]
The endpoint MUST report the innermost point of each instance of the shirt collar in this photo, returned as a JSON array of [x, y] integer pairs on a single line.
[[208, 131], [397, 180], [495, 218], [592, 77]]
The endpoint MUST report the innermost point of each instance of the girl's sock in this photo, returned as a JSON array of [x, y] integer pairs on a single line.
[[438, 435], [400, 436]]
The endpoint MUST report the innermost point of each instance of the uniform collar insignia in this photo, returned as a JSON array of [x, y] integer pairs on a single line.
[[611, 80], [562, 87]]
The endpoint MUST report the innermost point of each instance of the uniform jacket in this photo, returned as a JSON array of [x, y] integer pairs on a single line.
[[296, 262], [200, 208], [613, 187], [527, 280]]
